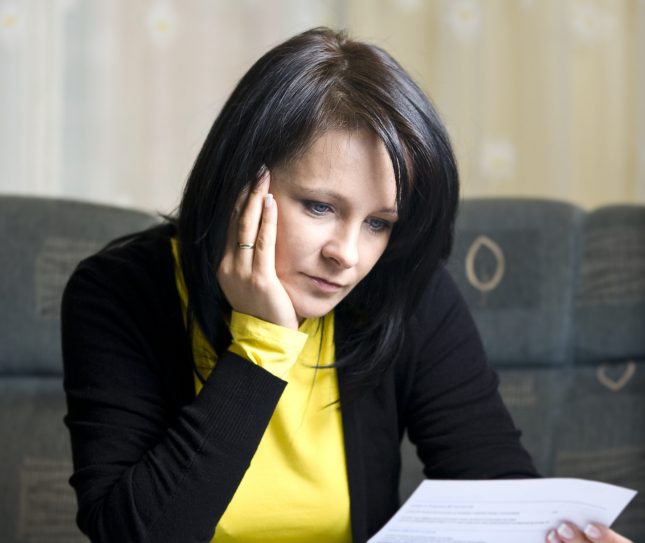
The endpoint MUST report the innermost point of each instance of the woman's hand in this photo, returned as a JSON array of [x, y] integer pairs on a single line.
[[247, 272], [568, 532]]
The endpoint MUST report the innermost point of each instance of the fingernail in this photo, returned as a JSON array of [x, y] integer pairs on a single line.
[[268, 200], [565, 531], [552, 538], [592, 531]]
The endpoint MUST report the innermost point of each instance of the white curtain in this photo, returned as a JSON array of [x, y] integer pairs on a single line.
[[110, 100], [542, 97]]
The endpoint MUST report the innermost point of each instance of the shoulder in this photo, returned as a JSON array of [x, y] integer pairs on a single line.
[[129, 261], [133, 252], [122, 329], [441, 336], [441, 305], [121, 310], [132, 276]]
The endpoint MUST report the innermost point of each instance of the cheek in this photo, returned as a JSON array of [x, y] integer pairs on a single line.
[[290, 241], [282, 244], [372, 253]]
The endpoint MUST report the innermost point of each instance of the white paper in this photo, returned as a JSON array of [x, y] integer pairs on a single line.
[[508, 511]]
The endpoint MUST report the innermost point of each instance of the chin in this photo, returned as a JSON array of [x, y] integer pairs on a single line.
[[314, 309]]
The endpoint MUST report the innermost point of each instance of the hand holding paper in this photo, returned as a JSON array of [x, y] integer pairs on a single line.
[[508, 511]]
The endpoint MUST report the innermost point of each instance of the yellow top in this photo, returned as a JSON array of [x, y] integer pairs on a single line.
[[296, 486]]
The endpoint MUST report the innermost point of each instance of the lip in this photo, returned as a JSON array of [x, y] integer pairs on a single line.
[[324, 285]]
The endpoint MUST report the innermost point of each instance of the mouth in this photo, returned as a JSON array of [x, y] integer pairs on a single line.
[[324, 285]]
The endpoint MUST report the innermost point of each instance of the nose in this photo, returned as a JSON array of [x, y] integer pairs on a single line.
[[342, 247]]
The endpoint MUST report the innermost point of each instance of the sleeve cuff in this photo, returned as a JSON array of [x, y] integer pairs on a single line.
[[270, 346]]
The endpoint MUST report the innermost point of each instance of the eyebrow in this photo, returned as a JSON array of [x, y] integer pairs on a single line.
[[339, 197]]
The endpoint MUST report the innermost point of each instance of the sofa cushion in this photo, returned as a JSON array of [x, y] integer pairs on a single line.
[[600, 432], [610, 302], [515, 263], [41, 241], [37, 503]]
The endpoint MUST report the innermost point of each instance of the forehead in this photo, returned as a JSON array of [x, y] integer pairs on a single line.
[[353, 163]]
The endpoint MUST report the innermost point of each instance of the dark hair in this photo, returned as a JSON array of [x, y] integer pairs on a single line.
[[313, 82]]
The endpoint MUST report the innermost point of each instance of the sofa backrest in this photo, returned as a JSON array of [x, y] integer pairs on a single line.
[[41, 241], [516, 262]]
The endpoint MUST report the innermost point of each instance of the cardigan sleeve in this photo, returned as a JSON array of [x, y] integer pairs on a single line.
[[143, 470], [455, 415]]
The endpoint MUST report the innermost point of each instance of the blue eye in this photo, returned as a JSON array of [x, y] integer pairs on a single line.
[[317, 208], [378, 225]]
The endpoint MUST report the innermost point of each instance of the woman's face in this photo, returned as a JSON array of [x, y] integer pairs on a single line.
[[336, 207]]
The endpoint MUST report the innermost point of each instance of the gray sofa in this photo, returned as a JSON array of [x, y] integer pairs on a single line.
[[559, 296]]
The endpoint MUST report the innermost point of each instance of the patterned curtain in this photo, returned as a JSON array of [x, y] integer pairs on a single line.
[[109, 100]]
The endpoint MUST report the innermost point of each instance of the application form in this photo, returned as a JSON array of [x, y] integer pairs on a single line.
[[507, 511]]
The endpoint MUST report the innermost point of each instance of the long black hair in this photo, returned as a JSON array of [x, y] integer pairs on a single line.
[[313, 82]]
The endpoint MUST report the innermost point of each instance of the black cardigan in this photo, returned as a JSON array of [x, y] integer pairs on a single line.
[[152, 462]]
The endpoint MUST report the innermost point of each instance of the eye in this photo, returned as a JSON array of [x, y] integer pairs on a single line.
[[378, 225], [317, 208]]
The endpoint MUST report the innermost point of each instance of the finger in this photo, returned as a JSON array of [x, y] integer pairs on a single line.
[[601, 534], [264, 262], [228, 258], [248, 222], [567, 532], [232, 232], [552, 537]]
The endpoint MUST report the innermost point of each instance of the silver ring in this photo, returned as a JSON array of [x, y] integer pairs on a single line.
[[245, 245]]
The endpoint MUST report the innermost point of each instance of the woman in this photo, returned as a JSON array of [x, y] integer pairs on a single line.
[[246, 371]]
